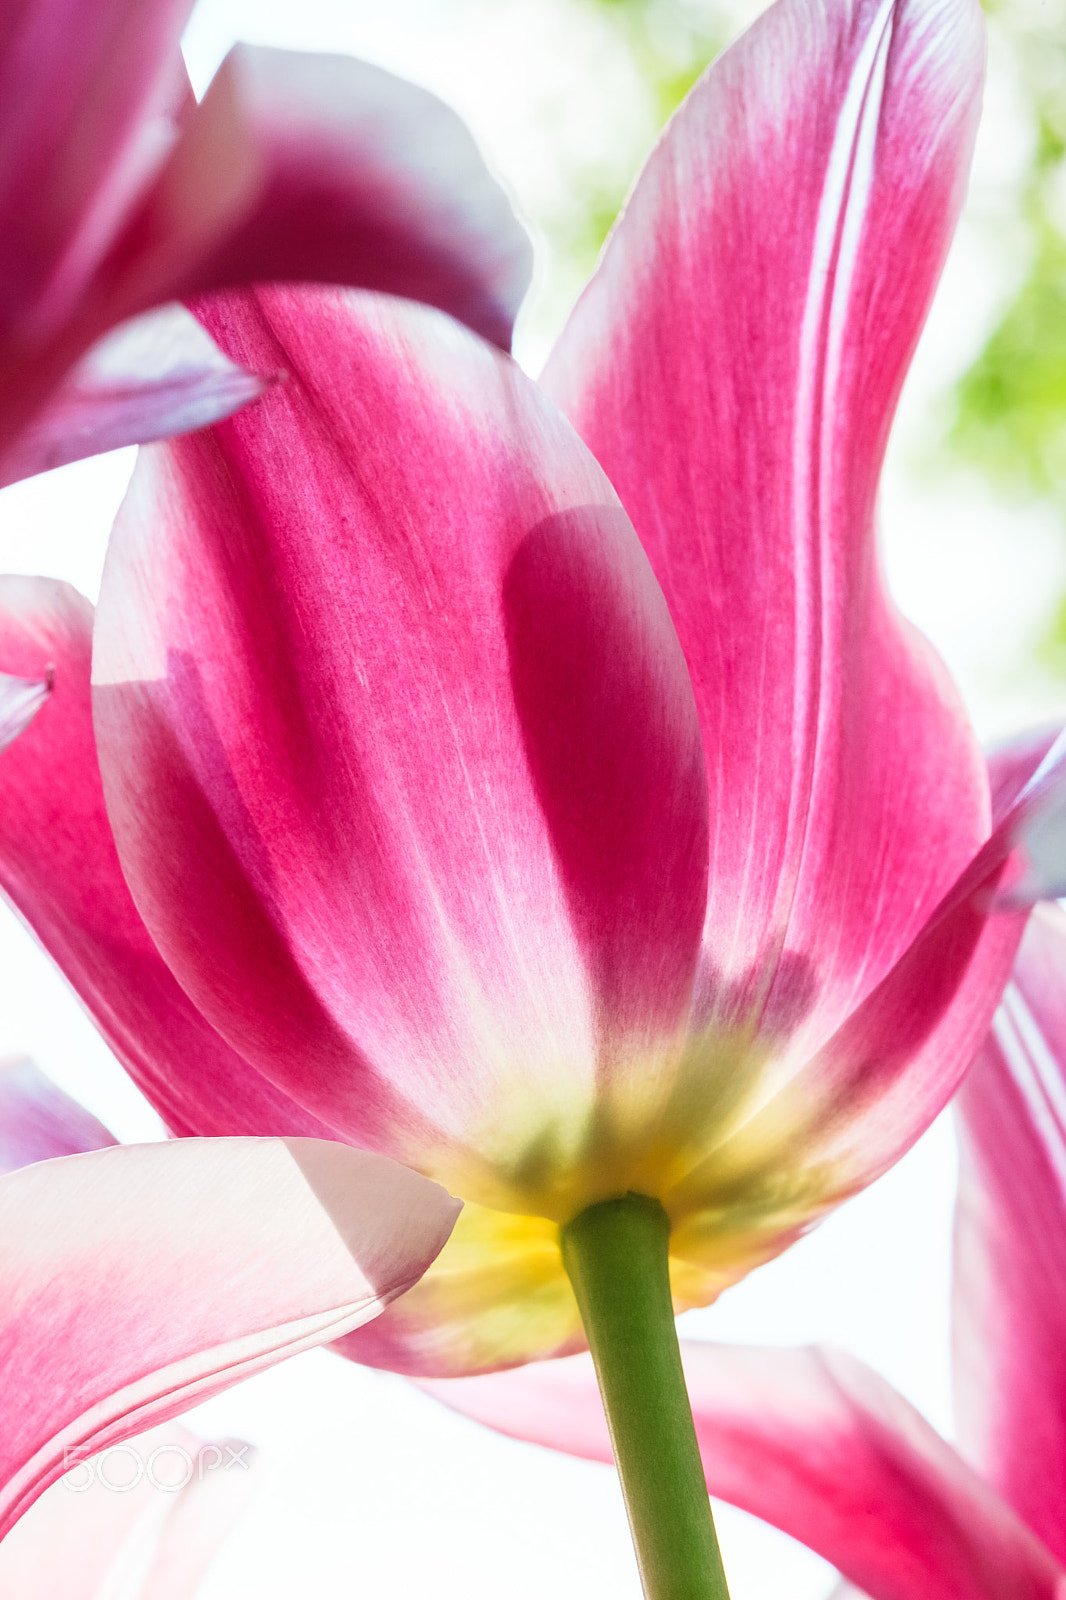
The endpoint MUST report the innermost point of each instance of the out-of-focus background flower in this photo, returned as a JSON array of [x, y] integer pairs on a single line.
[[366, 1486]]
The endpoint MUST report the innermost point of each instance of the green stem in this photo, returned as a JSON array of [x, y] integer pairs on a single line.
[[616, 1254]]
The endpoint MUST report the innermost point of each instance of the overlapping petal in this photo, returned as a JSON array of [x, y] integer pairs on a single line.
[[139, 1279], [38, 1121], [143, 1521], [20, 701], [157, 375], [734, 366], [817, 1444], [1010, 1261], [59, 867], [413, 807]]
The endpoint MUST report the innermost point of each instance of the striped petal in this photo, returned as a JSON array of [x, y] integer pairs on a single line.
[[734, 366], [59, 868], [140, 1279], [1010, 1254], [401, 755], [817, 1444]]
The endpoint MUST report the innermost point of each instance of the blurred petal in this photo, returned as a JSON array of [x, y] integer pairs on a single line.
[[135, 1281], [157, 375], [458, 713], [734, 366], [322, 167], [59, 867], [142, 1521], [20, 701], [1010, 1252], [38, 1121], [817, 1444], [87, 88]]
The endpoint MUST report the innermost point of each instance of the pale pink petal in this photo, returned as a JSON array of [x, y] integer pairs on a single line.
[[1010, 1257], [734, 366], [20, 701], [142, 1521], [38, 1121], [817, 1444], [400, 751], [137, 1280], [157, 375], [322, 167], [88, 88], [59, 867]]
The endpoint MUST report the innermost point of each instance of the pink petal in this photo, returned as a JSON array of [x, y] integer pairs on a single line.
[[158, 1508], [20, 701], [137, 1280], [734, 365], [400, 751], [157, 375], [817, 1444], [88, 88], [59, 867], [322, 167], [38, 1121], [1010, 1264]]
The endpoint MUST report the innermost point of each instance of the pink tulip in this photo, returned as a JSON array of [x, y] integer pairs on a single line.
[[816, 1443], [118, 192], [409, 775]]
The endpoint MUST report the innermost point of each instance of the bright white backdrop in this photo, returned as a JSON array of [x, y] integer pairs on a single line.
[[366, 1486]]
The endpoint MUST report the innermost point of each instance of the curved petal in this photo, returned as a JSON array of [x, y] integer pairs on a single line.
[[155, 376], [135, 1280], [153, 1513], [734, 366], [20, 701], [817, 1444], [38, 1121], [59, 867], [1010, 1248], [86, 87], [322, 167], [413, 807]]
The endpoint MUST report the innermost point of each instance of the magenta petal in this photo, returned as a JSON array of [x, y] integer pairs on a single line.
[[817, 1444], [102, 1519], [734, 365], [155, 376], [58, 866], [38, 1121], [86, 86], [1010, 1257], [134, 1281], [398, 743], [301, 167], [20, 701]]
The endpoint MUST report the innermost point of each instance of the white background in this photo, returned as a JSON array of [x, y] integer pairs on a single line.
[[366, 1487]]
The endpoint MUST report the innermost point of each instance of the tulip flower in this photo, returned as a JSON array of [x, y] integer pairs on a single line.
[[118, 192], [639, 890], [821, 1446]]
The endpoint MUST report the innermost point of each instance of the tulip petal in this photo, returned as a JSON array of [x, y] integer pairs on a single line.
[[414, 808], [38, 1121], [1010, 1254], [59, 867], [322, 167], [157, 375], [20, 701], [817, 1444], [734, 365], [87, 87], [153, 1513], [138, 1280]]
